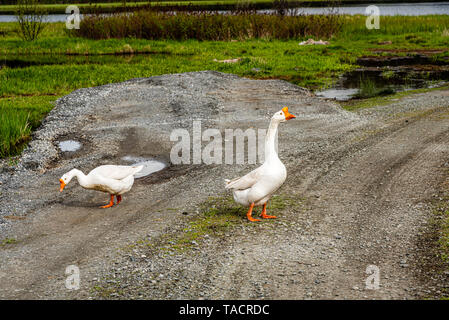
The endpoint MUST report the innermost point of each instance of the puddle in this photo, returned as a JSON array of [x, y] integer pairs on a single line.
[[149, 165], [383, 75], [338, 94], [69, 145]]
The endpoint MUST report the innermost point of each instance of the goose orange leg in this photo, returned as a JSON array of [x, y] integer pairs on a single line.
[[110, 204], [119, 199], [264, 213], [250, 211]]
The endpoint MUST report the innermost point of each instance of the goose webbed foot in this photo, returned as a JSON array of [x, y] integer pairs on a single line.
[[110, 204], [264, 214], [248, 215]]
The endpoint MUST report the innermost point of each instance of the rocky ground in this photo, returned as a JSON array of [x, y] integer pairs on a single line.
[[359, 192]]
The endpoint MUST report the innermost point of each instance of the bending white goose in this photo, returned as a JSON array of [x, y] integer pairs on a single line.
[[115, 180], [257, 187]]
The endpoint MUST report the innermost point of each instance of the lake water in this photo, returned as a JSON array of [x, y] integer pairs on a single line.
[[391, 9], [387, 9], [50, 18]]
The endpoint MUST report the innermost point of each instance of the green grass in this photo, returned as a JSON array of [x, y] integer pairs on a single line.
[[7, 241], [65, 63], [18, 117], [14, 130]]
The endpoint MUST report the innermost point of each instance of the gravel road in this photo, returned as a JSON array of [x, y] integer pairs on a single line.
[[358, 193]]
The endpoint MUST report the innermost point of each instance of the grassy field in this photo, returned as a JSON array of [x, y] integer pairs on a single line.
[[58, 63]]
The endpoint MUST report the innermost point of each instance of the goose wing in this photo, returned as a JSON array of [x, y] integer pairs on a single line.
[[245, 182], [115, 172]]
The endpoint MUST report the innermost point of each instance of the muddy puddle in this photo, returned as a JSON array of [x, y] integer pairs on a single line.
[[69, 146], [383, 75]]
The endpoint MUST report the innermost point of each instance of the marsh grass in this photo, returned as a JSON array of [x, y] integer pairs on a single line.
[[369, 89], [15, 130], [205, 25], [354, 26]]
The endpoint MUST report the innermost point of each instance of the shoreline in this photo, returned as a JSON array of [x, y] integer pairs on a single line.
[[197, 5]]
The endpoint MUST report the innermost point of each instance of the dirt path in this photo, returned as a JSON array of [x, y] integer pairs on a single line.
[[357, 194]]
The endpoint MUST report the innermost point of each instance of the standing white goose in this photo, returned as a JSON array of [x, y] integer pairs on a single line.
[[257, 187], [115, 180]]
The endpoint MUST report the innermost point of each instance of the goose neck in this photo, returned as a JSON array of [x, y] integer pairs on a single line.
[[270, 141], [82, 178]]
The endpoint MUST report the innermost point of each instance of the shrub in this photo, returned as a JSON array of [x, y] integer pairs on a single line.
[[30, 17]]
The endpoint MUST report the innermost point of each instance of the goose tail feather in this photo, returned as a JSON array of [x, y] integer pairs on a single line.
[[137, 169]]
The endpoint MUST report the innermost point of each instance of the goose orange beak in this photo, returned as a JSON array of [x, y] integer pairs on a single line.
[[62, 185], [288, 115]]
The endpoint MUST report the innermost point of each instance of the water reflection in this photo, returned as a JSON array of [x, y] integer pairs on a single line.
[[386, 9]]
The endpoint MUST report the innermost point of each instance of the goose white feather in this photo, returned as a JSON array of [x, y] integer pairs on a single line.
[[257, 187], [115, 180]]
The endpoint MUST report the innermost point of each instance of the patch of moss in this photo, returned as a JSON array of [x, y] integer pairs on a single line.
[[7, 241], [280, 202], [441, 212], [439, 223], [106, 293], [219, 206], [217, 215]]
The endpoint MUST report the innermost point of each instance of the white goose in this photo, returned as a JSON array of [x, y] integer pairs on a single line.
[[115, 180], [257, 187]]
